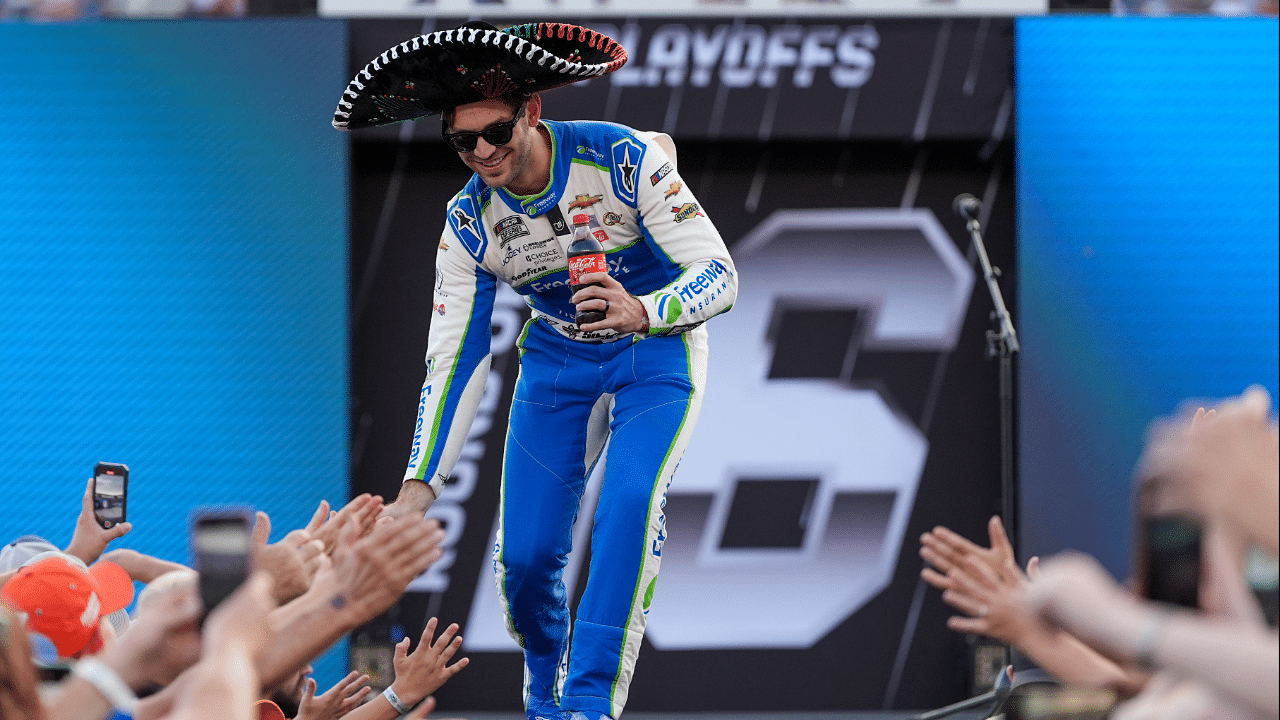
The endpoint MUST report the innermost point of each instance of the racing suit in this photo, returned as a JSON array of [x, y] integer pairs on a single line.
[[575, 390]]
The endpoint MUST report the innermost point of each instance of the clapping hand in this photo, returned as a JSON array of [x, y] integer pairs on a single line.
[[984, 583]]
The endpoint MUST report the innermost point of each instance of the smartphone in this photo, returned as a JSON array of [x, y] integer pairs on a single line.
[[1169, 560], [220, 549], [110, 493]]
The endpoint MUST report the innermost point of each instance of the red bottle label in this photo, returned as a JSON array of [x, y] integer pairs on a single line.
[[583, 264]]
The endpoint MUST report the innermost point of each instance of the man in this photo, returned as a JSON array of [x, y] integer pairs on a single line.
[[634, 378]]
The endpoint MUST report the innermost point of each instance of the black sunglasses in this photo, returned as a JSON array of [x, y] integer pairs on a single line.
[[496, 135]]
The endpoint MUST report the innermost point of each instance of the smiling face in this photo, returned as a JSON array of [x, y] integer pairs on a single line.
[[522, 165]]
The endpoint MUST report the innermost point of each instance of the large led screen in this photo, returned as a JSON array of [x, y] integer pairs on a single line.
[[173, 222], [1147, 197]]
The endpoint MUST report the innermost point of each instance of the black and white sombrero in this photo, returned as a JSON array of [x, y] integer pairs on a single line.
[[472, 62]]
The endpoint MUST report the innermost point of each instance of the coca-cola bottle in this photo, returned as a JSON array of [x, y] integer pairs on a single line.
[[586, 255]]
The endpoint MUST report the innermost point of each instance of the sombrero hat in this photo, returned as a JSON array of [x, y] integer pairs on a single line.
[[472, 62]]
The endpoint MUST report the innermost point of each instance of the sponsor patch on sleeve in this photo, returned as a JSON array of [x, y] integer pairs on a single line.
[[686, 211], [663, 171], [627, 156], [463, 218]]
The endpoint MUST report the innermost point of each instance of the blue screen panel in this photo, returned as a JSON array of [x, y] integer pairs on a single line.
[[1147, 191], [173, 218]]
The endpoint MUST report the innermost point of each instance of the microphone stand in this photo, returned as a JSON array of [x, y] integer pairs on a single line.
[[994, 700], [1002, 342]]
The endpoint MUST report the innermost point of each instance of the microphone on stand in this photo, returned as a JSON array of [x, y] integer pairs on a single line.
[[967, 206]]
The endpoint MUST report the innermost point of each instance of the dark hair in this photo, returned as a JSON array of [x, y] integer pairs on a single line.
[[512, 100]]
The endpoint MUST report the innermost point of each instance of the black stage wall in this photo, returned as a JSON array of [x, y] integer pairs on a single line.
[[860, 303]]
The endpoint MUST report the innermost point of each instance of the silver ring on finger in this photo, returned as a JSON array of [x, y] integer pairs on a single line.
[[983, 610], [606, 307]]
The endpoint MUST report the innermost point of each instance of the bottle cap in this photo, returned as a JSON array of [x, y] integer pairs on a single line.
[[581, 219]]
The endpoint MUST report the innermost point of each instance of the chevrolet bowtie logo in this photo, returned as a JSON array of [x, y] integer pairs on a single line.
[[584, 201]]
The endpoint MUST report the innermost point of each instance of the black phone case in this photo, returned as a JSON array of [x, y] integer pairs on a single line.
[[118, 511]]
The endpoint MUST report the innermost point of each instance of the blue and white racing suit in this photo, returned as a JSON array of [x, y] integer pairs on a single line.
[[576, 390]]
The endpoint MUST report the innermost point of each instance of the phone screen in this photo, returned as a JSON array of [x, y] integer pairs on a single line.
[[221, 546], [110, 482], [1173, 560]]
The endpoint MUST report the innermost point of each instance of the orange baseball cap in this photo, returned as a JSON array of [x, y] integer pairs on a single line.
[[268, 710], [63, 600]]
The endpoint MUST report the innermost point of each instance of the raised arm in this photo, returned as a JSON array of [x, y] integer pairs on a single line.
[[141, 567], [90, 539], [1224, 468], [986, 585], [366, 576], [417, 674], [678, 224], [457, 366], [225, 683], [1236, 659]]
